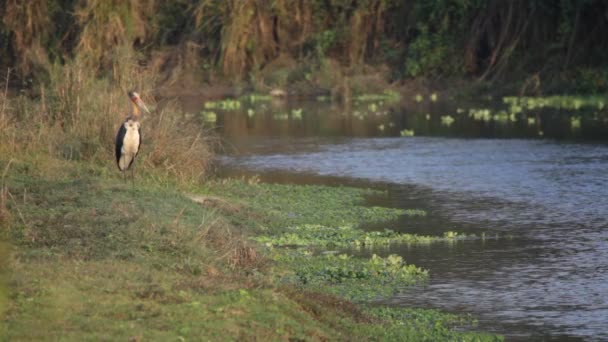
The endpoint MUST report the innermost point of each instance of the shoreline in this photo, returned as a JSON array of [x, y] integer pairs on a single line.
[[165, 263]]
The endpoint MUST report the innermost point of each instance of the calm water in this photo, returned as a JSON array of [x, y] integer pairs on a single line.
[[546, 277]]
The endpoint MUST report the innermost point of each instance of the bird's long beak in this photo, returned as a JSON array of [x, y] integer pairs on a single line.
[[142, 105]]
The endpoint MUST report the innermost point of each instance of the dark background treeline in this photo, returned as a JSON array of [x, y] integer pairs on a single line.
[[549, 43]]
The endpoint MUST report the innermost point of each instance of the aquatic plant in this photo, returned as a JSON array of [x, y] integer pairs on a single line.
[[531, 121], [348, 236], [570, 102], [280, 116], [447, 120], [575, 122], [253, 98], [209, 116], [388, 96], [296, 114], [480, 114], [407, 132], [356, 279], [226, 104], [415, 324]]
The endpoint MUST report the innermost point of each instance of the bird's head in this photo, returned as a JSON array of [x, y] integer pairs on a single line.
[[134, 96]]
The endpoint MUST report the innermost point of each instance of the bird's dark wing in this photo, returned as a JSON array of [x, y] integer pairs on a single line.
[[139, 144], [120, 137]]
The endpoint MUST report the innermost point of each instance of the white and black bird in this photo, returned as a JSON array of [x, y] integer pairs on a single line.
[[128, 137]]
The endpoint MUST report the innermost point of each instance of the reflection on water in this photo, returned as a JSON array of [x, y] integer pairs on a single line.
[[548, 274], [515, 118]]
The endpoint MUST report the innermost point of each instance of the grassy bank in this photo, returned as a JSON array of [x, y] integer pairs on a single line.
[[93, 257]]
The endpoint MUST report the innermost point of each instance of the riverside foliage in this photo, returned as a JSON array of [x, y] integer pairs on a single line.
[[283, 42]]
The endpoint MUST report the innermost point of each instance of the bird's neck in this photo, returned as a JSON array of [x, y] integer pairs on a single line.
[[135, 112]]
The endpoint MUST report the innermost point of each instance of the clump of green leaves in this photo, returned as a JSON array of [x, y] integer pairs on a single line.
[[356, 279], [408, 324], [346, 236], [296, 205]]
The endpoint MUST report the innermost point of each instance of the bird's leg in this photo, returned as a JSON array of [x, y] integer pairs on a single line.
[[133, 177], [124, 176]]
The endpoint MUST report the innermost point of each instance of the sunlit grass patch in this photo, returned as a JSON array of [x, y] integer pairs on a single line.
[[293, 205]]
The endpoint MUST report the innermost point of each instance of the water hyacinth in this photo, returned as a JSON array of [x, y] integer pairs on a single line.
[[356, 279], [407, 133], [226, 104], [447, 120], [347, 236]]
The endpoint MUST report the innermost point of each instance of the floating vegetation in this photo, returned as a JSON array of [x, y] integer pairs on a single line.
[[415, 212], [253, 98], [418, 98], [502, 116], [447, 120], [564, 101], [250, 112], [388, 95], [227, 104], [531, 121], [323, 98], [372, 107], [381, 127], [575, 122], [356, 279], [280, 116], [296, 114], [349, 236], [480, 114], [209, 116], [433, 97], [428, 116], [415, 324], [407, 133]]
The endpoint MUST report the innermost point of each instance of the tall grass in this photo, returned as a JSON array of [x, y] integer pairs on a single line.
[[76, 114]]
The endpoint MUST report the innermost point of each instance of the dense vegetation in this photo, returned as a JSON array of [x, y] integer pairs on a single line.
[[538, 44], [90, 257]]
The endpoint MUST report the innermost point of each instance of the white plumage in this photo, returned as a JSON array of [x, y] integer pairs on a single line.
[[130, 144], [128, 137]]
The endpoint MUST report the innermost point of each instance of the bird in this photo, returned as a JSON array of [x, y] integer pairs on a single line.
[[128, 137]]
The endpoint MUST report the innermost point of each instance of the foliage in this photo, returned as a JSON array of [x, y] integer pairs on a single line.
[[346, 236], [356, 279], [484, 39], [297, 205], [432, 54], [77, 115], [425, 325]]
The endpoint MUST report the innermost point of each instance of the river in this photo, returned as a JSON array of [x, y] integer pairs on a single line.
[[538, 181]]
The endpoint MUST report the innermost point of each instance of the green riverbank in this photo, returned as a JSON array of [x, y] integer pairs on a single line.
[[94, 258]]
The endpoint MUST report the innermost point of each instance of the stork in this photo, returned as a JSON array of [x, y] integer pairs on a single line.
[[128, 137]]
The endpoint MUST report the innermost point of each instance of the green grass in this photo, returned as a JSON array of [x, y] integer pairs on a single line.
[[294, 205], [355, 279], [94, 258]]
